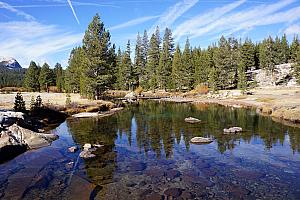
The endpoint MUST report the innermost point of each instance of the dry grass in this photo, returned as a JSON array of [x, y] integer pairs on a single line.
[[287, 113], [265, 100], [138, 90], [50, 99], [201, 89]]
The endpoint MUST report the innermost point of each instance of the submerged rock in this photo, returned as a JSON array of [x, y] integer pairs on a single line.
[[192, 120], [86, 154], [232, 130], [88, 150], [73, 149], [173, 192], [201, 140]]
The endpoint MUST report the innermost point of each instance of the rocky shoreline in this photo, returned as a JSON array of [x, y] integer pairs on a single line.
[[18, 135]]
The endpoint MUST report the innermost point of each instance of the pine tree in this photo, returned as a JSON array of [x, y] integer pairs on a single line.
[[176, 70], [59, 77], [248, 54], [31, 80], [150, 77], [99, 66], [19, 103], [38, 102], [294, 48], [127, 72], [32, 103], [213, 77], [74, 77], [188, 66], [202, 66], [267, 55], [165, 61], [277, 51], [296, 66], [223, 64], [46, 77], [242, 78], [138, 61], [284, 49], [145, 47], [119, 82]]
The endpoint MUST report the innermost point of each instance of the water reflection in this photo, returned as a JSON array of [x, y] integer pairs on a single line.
[[148, 151]]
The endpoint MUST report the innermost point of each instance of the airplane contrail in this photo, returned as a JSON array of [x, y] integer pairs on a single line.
[[70, 4]]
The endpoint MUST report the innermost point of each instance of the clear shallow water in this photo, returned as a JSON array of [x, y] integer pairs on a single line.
[[147, 155]]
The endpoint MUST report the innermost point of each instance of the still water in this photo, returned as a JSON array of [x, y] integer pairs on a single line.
[[147, 155]]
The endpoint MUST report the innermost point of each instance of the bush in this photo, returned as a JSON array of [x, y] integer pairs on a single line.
[[201, 89], [138, 90]]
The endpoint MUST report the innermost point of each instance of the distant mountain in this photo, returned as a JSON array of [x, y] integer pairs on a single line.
[[9, 63]]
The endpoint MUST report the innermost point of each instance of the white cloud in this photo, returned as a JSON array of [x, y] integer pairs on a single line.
[[224, 20], [28, 41], [18, 12], [173, 13], [133, 22], [292, 29], [189, 26]]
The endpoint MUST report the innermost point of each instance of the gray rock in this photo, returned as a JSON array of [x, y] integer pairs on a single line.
[[201, 140], [232, 130], [282, 75], [192, 120], [15, 140], [130, 95], [8, 118], [32, 139]]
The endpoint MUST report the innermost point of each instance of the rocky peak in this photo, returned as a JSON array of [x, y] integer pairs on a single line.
[[9, 63]]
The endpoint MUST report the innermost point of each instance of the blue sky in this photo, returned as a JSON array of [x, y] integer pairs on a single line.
[[47, 30]]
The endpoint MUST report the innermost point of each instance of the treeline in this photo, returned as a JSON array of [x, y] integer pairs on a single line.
[[158, 64], [42, 78], [11, 77]]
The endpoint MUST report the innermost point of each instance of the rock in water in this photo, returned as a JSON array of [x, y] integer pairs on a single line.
[[87, 146], [86, 154], [233, 130], [130, 97], [192, 120], [201, 140]]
